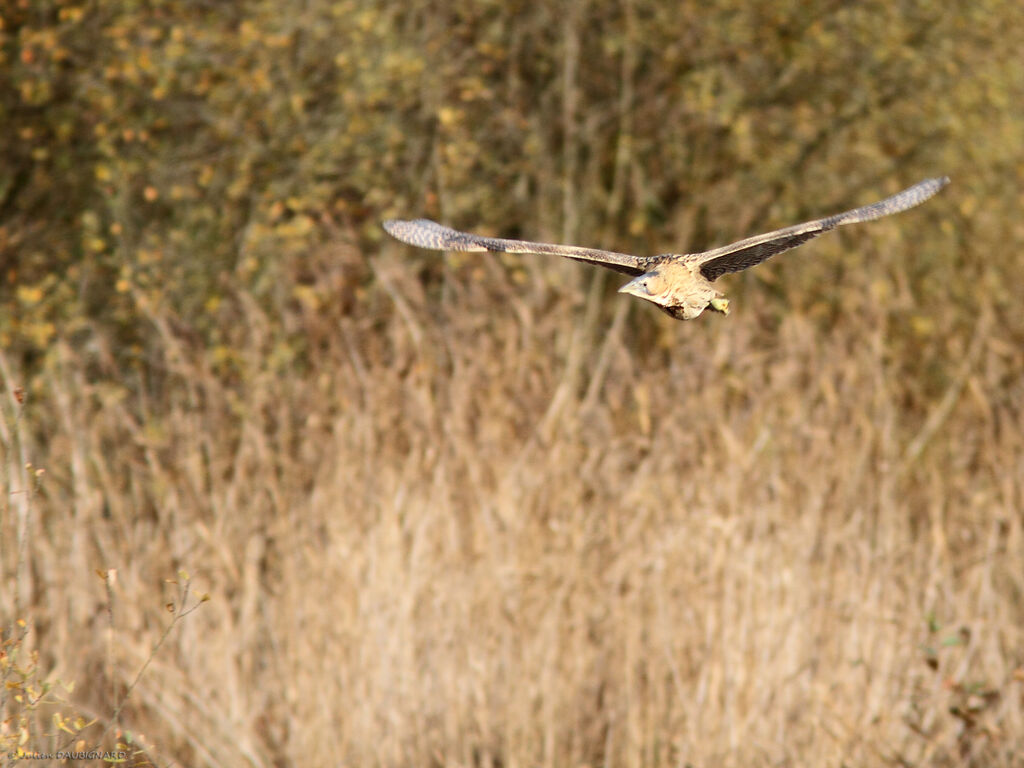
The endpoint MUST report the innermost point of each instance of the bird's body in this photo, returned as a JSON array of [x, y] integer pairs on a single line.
[[679, 283], [678, 287]]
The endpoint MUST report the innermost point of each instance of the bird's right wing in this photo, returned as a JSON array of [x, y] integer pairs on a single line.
[[429, 234]]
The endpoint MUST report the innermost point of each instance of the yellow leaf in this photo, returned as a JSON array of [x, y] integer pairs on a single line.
[[29, 294], [447, 116], [59, 722], [922, 325]]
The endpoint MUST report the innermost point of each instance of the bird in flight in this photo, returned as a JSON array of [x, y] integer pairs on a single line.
[[679, 283]]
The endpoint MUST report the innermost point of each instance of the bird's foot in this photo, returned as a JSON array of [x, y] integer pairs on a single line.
[[720, 304]]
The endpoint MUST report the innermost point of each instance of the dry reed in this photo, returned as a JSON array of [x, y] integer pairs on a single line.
[[485, 530]]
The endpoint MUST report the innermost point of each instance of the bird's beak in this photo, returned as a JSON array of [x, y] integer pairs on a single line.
[[637, 287]]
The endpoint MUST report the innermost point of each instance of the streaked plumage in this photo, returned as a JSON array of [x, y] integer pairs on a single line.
[[678, 283]]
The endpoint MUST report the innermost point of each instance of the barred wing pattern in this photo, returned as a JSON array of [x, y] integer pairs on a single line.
[[429, 234], [753, 250]]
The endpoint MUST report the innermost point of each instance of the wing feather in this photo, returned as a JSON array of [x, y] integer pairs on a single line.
[[753, 250], [429, 234]]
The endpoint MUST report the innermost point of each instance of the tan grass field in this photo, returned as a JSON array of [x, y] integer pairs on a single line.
[[499, 530]]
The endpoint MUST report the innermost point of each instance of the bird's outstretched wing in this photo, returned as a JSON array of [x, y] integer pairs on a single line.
[[429, 234], [753, 250]]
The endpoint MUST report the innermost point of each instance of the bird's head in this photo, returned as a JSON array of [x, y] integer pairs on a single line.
[[651, 286], [676, 292]]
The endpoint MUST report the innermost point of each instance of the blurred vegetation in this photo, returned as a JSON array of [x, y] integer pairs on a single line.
[[160, 153], [222, 363]]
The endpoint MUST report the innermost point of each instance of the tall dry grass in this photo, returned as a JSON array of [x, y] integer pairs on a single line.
[[495, 524]]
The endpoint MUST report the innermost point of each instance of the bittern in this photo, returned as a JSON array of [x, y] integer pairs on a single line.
[[679, 283]]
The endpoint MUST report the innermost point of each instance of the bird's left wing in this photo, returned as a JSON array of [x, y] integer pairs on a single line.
[[429, 234], [753, 250]]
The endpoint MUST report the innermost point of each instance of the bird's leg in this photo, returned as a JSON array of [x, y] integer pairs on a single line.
[[719, 304]]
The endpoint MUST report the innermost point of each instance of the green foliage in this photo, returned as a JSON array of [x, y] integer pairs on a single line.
[[25, 693], [155, 154]]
